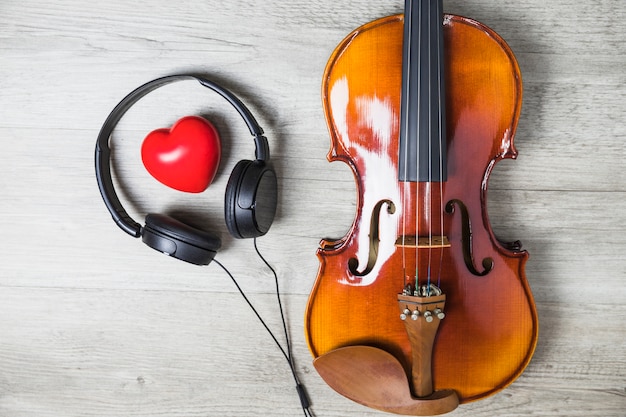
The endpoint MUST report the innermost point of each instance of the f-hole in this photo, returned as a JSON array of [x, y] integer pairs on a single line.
[[374, 240], [466, 240]]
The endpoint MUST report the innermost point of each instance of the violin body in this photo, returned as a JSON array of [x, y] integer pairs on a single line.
[[490, 328]]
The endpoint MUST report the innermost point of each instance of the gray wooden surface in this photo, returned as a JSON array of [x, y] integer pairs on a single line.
[[94, 323]]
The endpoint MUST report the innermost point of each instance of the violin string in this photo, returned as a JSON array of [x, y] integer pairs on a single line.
[[407, 21], [419, 121], [441, 131], [286, 351], [430, 153]]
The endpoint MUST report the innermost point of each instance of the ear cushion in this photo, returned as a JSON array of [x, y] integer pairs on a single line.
[[230, 197], [250, 199], [179, 240]]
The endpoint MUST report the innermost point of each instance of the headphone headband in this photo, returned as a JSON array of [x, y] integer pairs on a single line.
[[103, 150]]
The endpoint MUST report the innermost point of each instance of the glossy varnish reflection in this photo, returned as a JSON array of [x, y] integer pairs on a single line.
[[490, 329]]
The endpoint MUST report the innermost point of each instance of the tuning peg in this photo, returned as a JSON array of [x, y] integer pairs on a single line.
[[439, 313], [415, 315], [405, 314]]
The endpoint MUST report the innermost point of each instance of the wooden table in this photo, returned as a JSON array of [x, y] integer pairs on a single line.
[[93, 323]]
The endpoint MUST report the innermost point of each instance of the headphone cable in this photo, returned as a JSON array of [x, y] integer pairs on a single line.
[[287, 353]]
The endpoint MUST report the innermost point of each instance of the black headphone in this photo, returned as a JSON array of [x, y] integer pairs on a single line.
[[250, 196]]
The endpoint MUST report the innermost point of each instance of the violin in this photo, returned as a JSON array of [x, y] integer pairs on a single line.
[[419, 307]]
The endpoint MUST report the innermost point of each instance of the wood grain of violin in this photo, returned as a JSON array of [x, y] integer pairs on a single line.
[[421, 106]]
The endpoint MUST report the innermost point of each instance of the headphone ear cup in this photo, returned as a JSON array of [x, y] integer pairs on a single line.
[[250, 199], [176, 239]]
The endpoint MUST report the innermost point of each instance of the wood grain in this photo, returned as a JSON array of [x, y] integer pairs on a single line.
[[94, 323]]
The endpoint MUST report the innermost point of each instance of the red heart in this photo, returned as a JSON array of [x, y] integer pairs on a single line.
[[185, 157]]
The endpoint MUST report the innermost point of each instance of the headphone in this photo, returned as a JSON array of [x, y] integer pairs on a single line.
[[250, 196]]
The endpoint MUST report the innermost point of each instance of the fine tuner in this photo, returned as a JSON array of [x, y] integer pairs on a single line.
[[419, 302], [429, 290], [422, 297]]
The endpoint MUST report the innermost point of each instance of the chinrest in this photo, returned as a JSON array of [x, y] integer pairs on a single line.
[[376, 379]]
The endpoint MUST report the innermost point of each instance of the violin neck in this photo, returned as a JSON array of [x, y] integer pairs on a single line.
[[422, 117]]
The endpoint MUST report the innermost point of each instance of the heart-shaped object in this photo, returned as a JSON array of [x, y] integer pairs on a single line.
[[185, 157]]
